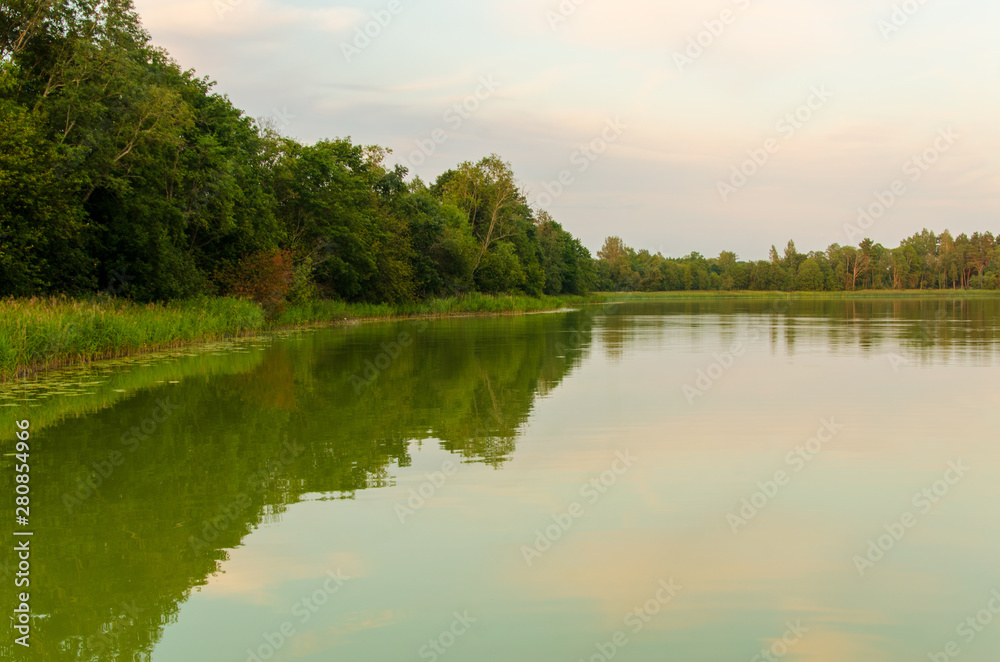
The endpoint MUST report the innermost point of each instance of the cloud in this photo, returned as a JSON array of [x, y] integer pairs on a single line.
[[256, 574], [243, 18], [687, 129]]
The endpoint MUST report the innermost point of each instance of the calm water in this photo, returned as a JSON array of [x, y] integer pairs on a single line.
[[653, 481]]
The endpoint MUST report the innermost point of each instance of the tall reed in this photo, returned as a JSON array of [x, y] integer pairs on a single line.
[[43, 333]]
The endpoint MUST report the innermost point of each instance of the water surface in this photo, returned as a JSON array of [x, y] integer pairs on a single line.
[[634, 480]]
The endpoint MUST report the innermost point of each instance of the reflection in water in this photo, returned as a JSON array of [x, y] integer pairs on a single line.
[[143, 488], [113, 563], [922, 328]]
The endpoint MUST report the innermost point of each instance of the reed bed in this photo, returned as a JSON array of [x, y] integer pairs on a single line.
[[49, 332], [44, 333]]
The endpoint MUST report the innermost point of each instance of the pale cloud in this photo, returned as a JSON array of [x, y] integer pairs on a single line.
[[318, 642], [446, 83], [656, 185], [256, 575], [760, 28], [243, 18]]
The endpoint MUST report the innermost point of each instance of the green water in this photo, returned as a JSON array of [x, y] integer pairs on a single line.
[[562, 486]]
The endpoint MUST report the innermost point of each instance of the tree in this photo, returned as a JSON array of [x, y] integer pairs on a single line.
[[810, 276], [618, 258], [489, 194], [727, 260], [19, 23], [42, 226], [500, 271], [981, 253]]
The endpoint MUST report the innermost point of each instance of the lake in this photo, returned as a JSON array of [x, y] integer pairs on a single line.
[[695, 480]]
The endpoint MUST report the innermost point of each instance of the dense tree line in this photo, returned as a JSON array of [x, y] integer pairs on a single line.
[[119, 171], [923, 261]]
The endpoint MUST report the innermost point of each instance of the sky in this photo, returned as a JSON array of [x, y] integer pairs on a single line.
[[678, 126]]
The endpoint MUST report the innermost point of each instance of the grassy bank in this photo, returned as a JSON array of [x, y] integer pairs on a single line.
[[36, 334]]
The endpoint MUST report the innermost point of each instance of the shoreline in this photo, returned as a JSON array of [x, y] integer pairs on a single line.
[[40, 335], [804, 295], [65, 340]]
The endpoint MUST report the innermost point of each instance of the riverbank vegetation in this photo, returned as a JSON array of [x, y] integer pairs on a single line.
[[123, 174], [166, 215], [921, 262], [46, 332], [120, 172]]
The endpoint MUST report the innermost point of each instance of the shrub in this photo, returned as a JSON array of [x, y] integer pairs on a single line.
[[266, 278]]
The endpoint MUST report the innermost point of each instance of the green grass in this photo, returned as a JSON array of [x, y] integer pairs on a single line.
[[42, 333]]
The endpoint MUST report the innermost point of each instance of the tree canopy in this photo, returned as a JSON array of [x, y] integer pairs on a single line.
[[923, 261], [121, 172]]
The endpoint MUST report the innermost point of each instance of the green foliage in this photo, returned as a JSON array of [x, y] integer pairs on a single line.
[[810, 276], [923, 261], [40, 223], [121, 172], [500, 270], [266, 278]]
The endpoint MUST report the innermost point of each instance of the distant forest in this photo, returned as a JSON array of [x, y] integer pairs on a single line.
[[923, 261], [121, 173]]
